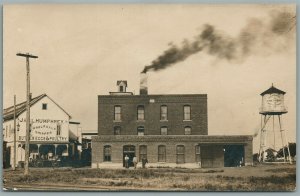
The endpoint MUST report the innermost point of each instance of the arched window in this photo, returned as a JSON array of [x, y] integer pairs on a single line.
[[143, 152], [187, 130], [107, 153], [197, 153], [140, 112], [117, 130], [161, 153], [163, 112], [186, 112], [140, 130], [180, 154], [164, 130]]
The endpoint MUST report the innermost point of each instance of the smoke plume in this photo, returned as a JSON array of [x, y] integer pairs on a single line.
[[257, 34]]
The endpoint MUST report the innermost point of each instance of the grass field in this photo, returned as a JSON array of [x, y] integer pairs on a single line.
[[250, 178]]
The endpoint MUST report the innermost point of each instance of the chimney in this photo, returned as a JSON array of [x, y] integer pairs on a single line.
[[143, 84]]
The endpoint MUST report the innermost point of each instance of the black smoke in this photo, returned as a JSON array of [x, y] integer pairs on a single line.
[[255, 34]]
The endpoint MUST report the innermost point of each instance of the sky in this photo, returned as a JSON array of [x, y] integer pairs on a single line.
[[232, 53]]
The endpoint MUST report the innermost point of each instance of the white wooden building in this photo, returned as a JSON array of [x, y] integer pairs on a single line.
[[49, 133]]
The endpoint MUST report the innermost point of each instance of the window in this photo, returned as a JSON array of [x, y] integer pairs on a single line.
[[121, 88], [164, 130], [140, 113], [143, 152], [117, 130], [163, 112], [107, 153], [197, 153], [140, 130], [186, 112], [161, 153], [44, 106], [6, 130], [58, 129], [187, 130], [180, 154], [117, 115]]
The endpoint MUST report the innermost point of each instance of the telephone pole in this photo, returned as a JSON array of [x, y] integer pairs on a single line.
[[27, 140], [15, 137]]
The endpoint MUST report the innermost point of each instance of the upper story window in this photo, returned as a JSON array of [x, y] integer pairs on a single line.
[[186, 112], [58, 129], [163, 112], [187, 130], [117, 130], [44, 106], [140, 130], [164, 130], [117, 113], [140, 112]]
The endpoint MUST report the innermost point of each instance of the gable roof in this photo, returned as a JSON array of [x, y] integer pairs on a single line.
[[120, 81], [271, 90], [8, 113]]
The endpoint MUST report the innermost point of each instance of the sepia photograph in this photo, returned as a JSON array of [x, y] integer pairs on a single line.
[[149, 97]]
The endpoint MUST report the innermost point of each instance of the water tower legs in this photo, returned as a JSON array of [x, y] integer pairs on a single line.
[[286, 143], [264, 136]]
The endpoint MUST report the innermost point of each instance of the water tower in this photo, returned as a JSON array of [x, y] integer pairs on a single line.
[[272, 107]]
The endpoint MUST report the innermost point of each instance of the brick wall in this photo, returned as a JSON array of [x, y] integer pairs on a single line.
[[152, 122], [152, 143], [152, 151], [249, 153]]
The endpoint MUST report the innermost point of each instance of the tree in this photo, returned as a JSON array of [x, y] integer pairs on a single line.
[[292, 147], [255, 157], [270, 155]]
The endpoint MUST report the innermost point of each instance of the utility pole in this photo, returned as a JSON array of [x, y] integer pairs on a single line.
[[26, 165], [15, 145]]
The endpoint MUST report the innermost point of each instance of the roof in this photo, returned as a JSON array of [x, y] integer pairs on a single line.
[[90, 132], [124, 81], [73, 122], [271, 90], [8, 113]]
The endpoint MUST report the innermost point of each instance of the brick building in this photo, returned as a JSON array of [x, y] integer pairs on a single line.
[[169, 130]]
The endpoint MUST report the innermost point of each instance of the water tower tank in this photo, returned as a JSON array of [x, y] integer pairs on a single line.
[[273, 102]]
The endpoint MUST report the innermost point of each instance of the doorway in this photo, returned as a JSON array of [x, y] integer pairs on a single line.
[[128, 150], [234, 155], [211, 156]]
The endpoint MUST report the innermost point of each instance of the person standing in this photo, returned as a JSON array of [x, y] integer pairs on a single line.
[[144, 161], [134, 161], [126, 161]]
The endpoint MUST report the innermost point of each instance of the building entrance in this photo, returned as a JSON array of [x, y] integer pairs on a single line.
[[212, 156], [234, 155], [128, 150]]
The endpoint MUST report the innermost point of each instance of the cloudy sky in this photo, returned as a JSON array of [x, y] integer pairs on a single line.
[[232, 53]]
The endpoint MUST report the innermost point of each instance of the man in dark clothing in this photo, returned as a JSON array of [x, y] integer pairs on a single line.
[[144, 161]]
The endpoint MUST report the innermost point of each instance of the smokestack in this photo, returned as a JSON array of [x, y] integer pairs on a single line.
[[143, 84]]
